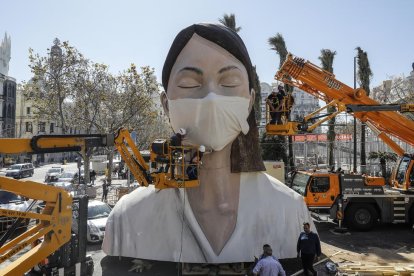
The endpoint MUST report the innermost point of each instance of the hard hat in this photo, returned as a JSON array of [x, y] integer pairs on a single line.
[[182, 131], [202, 148]]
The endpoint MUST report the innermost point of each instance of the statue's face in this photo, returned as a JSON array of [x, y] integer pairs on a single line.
[[204, 67], [208, 95]]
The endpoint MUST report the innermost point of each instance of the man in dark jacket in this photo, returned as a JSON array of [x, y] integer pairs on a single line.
[[105, 188], [92, 176], [309, 248]]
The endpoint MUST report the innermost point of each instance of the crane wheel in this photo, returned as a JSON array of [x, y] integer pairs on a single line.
[[361, 216], [411, 217]]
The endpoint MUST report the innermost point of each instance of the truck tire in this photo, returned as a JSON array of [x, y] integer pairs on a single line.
[[411, 221], [361, 217]]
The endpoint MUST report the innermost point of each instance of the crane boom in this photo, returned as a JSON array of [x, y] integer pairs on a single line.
[[323, 85], [386, 121], [54, 223]]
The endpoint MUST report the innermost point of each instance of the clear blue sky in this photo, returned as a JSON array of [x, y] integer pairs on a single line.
[[118, 33]]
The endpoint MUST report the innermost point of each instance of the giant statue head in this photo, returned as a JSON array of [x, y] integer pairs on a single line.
[[208, 79]]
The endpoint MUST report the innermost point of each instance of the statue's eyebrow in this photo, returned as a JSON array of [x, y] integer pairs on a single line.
[[192, 69], [227, 68]]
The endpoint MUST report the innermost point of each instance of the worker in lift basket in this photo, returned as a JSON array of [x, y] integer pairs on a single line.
[[175, 141]]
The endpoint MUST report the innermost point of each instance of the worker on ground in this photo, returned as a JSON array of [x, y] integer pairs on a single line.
[[268, 265], [105, 188], [263, 255], [92, 176], [309, 249], [175, 141], [265, 246]]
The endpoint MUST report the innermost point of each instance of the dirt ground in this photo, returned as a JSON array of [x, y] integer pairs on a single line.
[[385, 245]]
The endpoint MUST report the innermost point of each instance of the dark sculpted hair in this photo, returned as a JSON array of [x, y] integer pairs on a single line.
[[245, 151]]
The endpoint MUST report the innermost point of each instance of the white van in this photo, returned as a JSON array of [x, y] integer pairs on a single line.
[[20, 170]]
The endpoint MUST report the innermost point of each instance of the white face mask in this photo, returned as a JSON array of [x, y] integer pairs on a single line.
[[213, 121]]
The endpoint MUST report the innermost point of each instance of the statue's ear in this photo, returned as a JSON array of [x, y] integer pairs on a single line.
[[164, 102]]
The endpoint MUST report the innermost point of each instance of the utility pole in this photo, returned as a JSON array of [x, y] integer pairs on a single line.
[[355, 124]]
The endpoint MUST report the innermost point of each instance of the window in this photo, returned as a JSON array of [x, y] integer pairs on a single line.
[[9, 112], [412, 176], [27, 110], [52, 127], [299, 182], [42, 127], [29, 127], [402, 168], [319, 185]]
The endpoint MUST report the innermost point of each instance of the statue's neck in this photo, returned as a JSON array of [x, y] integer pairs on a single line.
[[216, 199]]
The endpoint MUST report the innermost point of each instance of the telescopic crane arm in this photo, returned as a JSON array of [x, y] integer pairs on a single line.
[[54, 223]]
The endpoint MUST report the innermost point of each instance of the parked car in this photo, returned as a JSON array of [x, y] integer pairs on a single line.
[[70, 177], [14, 202], [53, 174], [98, 213], [68, 186], [20, 170]]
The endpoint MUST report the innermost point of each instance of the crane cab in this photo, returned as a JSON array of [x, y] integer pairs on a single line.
[[319, 190], [322, 190], [403, 175]]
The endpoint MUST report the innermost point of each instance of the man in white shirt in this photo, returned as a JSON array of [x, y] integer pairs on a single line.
[[268, 266]]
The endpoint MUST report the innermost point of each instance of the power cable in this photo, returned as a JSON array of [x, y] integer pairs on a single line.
[[182, 227]]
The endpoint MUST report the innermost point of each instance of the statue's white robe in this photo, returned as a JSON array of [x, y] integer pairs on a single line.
[[151, 224]]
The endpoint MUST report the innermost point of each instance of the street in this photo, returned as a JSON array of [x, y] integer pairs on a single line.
[[39, 173]]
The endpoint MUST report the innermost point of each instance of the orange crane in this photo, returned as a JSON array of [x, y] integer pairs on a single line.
[[384, 120], [358, 200]]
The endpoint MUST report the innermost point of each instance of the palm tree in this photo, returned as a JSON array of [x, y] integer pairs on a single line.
[[364, 77], [273, 147], [383, 157], [229, 20], [327, 56], [278, 44]]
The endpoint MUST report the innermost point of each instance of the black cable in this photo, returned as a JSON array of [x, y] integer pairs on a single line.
[[14, 226], [182, 232]]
